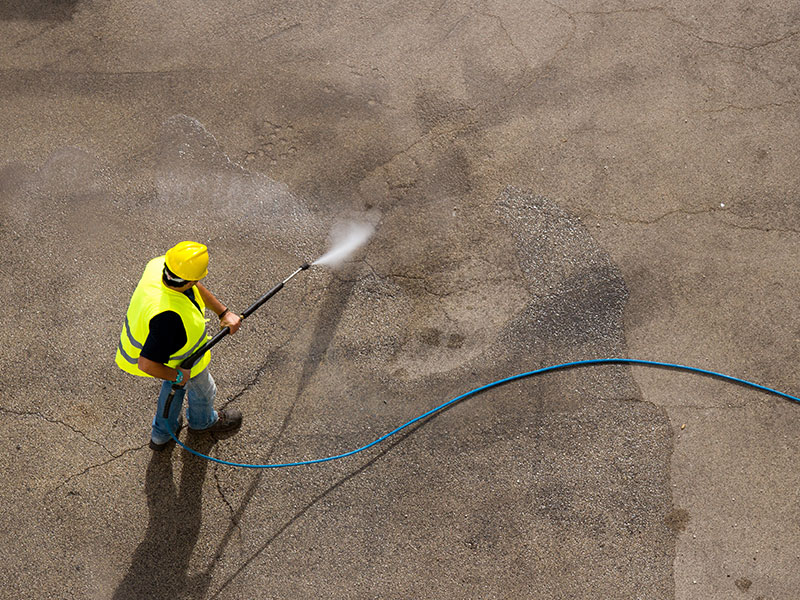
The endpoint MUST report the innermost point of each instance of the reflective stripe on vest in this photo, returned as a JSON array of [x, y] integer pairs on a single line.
[[151, 298]]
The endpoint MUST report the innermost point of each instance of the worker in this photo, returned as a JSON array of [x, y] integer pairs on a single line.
[[164, 325]]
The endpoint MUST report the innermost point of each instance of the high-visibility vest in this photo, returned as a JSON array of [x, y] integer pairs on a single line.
[[151, 298]]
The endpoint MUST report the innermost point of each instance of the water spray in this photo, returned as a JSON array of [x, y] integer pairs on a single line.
[[346, 241]]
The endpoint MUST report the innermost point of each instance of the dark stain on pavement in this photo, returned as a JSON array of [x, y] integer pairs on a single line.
[[37, 10], [432, 336], [620, 489], [677, 519]]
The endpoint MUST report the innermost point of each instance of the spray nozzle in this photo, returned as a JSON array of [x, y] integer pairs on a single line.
[[304, 266]]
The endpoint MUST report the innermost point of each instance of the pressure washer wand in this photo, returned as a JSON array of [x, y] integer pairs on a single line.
[[188, 363]]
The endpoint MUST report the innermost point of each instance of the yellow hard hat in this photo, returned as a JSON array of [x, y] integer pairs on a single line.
[[188, 260]]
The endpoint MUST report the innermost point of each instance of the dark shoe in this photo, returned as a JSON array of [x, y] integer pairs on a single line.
[[160, 447], [227, 419]]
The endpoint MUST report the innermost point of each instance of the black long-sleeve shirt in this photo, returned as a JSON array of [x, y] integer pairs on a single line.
[[167, 334]]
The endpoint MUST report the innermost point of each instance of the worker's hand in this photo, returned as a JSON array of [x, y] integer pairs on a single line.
[[187, 373], [231, 320]]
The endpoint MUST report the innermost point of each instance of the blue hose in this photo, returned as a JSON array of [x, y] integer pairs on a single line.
[[596, 361]]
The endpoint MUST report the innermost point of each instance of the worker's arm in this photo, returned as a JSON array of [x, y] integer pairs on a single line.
[[156, 369], [229, 319]]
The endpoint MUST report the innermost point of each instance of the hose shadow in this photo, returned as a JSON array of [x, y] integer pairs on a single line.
[[316, 499], [160, 564]]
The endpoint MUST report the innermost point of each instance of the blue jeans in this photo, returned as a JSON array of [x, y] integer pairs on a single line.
[[200, 411]]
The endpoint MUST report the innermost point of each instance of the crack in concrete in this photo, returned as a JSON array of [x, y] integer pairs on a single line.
[[672, 407], [665, 12], [221, 493], [436, 11], [767, 106], [110, 74], [629, 221], [762, 229], [421, 279], [415, 278], [452, 29], [661, 217], [548, 62], [253, 380], [508, 37], [471, 10], [55, 422], [749, 48], [746, 48], [113, 458], [618, 11]]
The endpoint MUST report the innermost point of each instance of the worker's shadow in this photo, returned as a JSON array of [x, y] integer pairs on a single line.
[[160, 564]]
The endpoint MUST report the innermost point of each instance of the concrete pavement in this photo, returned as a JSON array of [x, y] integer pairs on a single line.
[[550, 181]]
